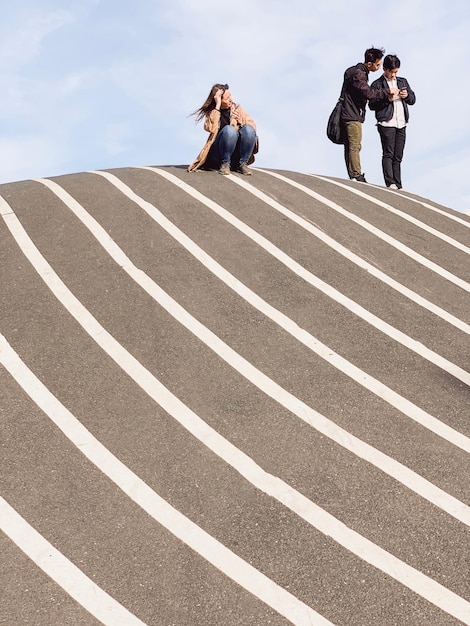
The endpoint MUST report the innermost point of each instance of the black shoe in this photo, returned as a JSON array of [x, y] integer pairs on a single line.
[[360, 179]]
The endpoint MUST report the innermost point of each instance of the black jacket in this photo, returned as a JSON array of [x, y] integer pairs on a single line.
[[384, 110], [356, 91]]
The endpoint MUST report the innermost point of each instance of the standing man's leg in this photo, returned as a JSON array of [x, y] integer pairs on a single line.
[[352, 149], [387, 138], [346, 153], [400, 139]]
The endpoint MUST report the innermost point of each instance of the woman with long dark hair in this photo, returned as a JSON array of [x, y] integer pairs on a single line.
[[232, 140]]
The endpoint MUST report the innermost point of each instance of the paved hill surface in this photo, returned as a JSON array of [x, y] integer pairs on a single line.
[[232, 401]]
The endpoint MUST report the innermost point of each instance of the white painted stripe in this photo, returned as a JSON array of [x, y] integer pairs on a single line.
[[159, 509], [205, 545], [310, 278], [210, 437], [359, 376], [403, 194], [348, 254], [434, 267], [450, 216], [396, 470], [243, 464], [62, 571], [402, 214]]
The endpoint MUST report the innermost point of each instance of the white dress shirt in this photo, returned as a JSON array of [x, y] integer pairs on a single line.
[[398, 117]]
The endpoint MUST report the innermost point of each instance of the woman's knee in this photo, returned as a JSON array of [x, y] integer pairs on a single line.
[[248, 131], [228, 132]]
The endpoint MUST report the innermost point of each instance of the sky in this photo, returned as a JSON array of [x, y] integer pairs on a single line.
[[102, 84]]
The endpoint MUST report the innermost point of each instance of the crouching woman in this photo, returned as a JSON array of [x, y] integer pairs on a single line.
[[232, 141]]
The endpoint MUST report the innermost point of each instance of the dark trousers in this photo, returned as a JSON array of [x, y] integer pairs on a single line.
[[393, 145]]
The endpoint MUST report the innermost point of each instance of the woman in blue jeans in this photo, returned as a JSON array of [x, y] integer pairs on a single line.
[[232, 140]]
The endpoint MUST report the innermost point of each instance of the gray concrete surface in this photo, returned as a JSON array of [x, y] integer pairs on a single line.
[[116, 543]]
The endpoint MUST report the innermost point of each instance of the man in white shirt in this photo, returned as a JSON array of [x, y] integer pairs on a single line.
[[392, 119]]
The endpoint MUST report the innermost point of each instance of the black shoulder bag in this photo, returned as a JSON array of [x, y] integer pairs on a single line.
[[333, 128]]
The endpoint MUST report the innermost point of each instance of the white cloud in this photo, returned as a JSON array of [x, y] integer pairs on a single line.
[[117, 138], [112, 84], [20, 45], [30, 156]]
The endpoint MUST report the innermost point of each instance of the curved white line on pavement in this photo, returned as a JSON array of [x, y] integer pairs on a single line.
[[419, 258], [268, 386], [409, 218], [348, 254], [243, 464], [449, 216], [204, 544], [402, 193], [362, 378], [175, 522], [311, 279], [62, 571]]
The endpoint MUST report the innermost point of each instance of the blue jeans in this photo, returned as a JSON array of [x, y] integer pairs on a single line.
[[232, 146]]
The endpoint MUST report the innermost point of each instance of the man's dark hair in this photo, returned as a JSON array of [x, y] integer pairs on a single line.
[[373, 54], [391, 62]]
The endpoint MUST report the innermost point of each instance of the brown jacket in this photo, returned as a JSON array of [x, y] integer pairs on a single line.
[[238, 118]]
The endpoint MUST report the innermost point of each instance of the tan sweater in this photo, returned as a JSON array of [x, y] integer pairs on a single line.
[[238, 118]]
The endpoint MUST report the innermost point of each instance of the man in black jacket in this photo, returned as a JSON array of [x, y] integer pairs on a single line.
[[392, 118], [355, 93]]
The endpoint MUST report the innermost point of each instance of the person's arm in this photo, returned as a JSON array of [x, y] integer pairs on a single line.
[[380, 96], [212, 121], [406, 93], [376, 94], [242, 117]]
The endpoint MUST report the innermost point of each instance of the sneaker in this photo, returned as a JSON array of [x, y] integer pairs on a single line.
[[393, 186], [224, 168], [360, 179], [244, 169]]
